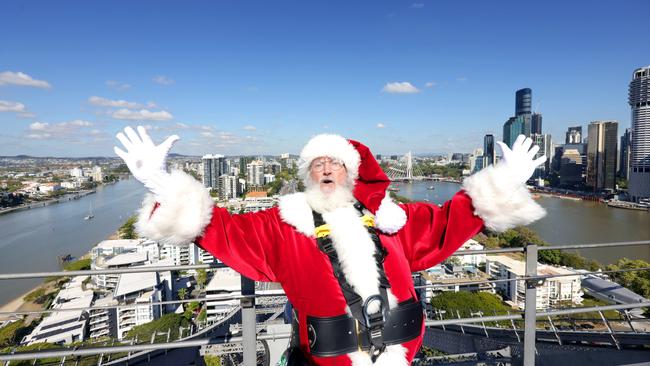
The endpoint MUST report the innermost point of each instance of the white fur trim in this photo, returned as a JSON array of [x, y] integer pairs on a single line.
[[389, 218], [334, 146], [500, 200], [355, 249], [182, 217], [295, 211], [392, 356]]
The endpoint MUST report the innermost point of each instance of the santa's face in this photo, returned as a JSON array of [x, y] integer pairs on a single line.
[[328, 173]]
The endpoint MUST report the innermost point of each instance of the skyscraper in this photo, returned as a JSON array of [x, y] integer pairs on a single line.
[[515, 126], [488, 149], [574, 135], [523, 101], [625, 150], [639, 100], [522, 122], [536, 123], [214, 165], [601, 154]]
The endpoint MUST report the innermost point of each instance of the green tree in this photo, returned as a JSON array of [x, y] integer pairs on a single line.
[[79, 265], [167, 322], [637, 281], [182, 293], [201, 278], [467, 302], [127, 230], [212, 360]]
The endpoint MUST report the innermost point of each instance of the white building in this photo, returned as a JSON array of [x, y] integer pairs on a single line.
[[70, 185], [65, 327], [76, 172], [103, 322], [474, 259], [199, 256], [269, 178], [225, 283], [255, 170], [179, 255], [97, 174], [549, 294], [230, 187], [136, 290], [108, 282], [254, 204]]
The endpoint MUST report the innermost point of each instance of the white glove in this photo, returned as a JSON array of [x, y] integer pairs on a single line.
[[519, 161], [145, 160]]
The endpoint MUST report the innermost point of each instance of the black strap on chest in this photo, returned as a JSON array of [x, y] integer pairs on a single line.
[[372, 324]]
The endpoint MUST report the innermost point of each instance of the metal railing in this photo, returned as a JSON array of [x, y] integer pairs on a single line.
[[247, 300]]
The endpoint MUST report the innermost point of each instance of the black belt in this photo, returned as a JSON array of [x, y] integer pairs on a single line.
[[334, 336]]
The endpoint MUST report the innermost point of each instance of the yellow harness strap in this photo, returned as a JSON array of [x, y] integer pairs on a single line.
[[324, 230]]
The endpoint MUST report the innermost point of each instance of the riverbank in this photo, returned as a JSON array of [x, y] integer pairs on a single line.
[[65, 198], [20, 304]]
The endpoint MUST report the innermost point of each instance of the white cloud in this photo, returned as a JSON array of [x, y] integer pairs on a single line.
[[21, 79], [163, 80], [38, 126], [142, 114], [250, 128], [181, 125], [207, 134], [400, 88], [103, 102], [417, 5], [380, 125], [38, 136], [430, 84], [7, 106], [462, 79], [69, 131], [117, 85]]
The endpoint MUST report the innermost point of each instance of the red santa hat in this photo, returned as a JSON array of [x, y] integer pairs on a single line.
[[370, 181]]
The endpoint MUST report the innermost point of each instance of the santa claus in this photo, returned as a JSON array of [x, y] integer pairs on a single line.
[[342, 250]]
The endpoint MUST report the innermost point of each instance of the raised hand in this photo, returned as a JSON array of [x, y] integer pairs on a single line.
[[146, 160], [520, 161]]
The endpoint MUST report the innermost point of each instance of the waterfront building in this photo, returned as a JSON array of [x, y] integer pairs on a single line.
[[602, 152], [224, 284], [97, 174], [639, 100], [199, 256], [612, 292], [545, 144], [574, 135], [69, 326], [625, 151], [178, 255], [488, 150], [103, 322], [553, 292], [107, 282], [214, 166], [476, 160], [135, 291], [572, 168]]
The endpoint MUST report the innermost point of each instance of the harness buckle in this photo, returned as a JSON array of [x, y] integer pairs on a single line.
[[376, 319]]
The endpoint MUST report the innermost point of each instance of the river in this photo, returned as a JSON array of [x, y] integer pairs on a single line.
[[31, 240], [567, 221]]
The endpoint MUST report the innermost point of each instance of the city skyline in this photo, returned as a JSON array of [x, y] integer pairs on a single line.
[[425, 77]]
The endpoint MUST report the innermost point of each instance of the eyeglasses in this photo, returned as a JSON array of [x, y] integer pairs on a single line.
[[319, 165]]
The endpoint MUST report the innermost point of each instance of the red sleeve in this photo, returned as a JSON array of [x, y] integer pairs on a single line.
[[247, 243], [433, 233]]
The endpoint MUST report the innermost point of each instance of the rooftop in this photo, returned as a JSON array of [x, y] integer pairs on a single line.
[[133, 282], [126, 258]]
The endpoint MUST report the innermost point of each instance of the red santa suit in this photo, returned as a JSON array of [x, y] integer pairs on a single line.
[[279, 244]]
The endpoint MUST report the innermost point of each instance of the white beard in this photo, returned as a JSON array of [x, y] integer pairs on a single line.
[[326, 202]]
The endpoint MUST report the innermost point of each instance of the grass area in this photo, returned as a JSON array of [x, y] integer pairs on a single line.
[[78, 265]]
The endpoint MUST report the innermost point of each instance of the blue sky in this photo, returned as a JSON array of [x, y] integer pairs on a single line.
[[252, 77]]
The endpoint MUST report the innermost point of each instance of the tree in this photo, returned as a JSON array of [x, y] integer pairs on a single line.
[[127, 230], [212, 360], [182, 293], [637, 281], [201, 277], [167, 322]]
